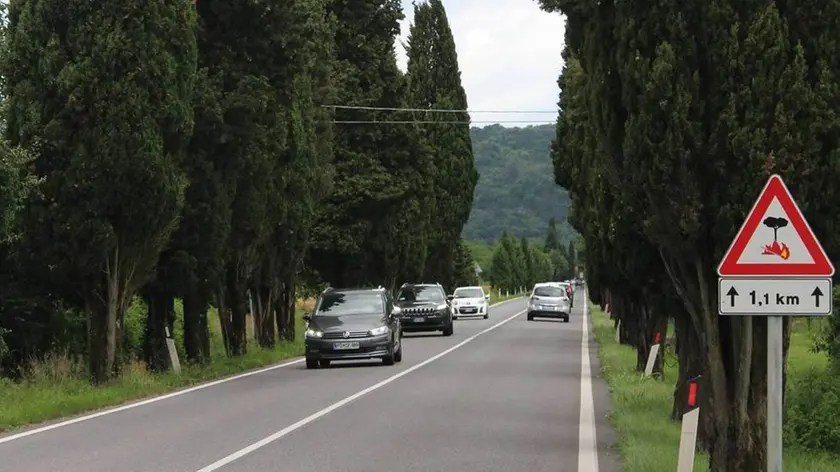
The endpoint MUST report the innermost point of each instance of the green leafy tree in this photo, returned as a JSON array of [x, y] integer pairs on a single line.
[[552, 239], [434, 82], [109, 109], [359, 234], [687, 173]]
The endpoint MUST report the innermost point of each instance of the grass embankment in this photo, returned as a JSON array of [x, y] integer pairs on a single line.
[[640, 412], [57, 386]]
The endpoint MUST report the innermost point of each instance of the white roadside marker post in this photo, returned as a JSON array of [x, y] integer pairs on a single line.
[[173, 353], [654, 351], [688, 435], [775, 267], [618, 332]]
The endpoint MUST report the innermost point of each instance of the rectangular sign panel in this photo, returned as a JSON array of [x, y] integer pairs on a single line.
[[802, 296]]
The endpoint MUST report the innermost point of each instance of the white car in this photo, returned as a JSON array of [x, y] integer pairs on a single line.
[[470, 301]]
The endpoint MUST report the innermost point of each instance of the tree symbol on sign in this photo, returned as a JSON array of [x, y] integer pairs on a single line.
[[776, 249]]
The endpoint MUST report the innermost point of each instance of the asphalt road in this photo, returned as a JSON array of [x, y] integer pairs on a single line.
[[502, 394]]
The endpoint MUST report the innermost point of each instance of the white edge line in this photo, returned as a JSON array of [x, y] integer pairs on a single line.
[[166, 396], [309, 419], [587, 435]]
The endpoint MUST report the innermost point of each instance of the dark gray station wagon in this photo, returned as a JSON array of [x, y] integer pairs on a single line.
[[353, 324]]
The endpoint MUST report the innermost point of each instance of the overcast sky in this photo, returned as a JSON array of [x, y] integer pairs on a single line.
[[509, 53]]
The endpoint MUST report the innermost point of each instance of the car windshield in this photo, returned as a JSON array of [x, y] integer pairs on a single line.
[[341, 304], [468, 293], [421, 294], [553, 292]]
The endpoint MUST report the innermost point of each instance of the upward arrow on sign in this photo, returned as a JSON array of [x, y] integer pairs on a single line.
[[775, 240]]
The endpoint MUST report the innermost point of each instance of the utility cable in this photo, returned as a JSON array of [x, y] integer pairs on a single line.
[[437, 110], [360, 122]]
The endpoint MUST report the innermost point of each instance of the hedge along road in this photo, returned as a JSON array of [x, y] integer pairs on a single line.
[[500, 394]]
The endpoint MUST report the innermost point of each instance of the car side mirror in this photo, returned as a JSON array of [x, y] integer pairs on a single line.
[[307, 317], [396, 311], [487, 297], [449, 297]]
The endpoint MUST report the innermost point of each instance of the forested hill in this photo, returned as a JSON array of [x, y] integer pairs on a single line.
[[516, 189]]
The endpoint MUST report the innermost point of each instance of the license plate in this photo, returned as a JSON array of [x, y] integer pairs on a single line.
[[418, 320], [346, 345]]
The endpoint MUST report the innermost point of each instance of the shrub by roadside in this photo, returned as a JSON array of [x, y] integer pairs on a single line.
[[640, 408]]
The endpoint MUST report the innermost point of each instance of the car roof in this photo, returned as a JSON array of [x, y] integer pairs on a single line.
[[470, 286], [353, 290], [424, 284]]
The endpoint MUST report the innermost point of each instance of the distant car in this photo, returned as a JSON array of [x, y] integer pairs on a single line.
[[469, 301], [549, 301], [353, 324], [425, 308]]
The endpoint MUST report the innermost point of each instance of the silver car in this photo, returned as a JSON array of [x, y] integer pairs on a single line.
[[549, 301]]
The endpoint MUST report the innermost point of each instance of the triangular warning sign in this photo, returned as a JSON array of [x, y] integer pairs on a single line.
[[775, 240]]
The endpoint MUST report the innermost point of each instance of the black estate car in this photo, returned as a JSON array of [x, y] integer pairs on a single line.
[[425, 308], [349, 324]]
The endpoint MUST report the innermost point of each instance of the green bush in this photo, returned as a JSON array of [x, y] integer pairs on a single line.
[[812, 400]]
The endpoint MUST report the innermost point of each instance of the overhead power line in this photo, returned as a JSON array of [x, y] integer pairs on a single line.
[[438, 110], [430, 122]]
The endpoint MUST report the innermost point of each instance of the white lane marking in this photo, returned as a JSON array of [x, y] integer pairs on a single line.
[[309, 419], [587, 437], [167, 396]]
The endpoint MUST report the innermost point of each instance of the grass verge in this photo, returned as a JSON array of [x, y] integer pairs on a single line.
[[56, 387], [494, 295], [640, 407]]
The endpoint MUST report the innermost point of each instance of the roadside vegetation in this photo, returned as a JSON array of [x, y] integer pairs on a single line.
[[58, 384], [648, 437], [192, 174], [667, 131]]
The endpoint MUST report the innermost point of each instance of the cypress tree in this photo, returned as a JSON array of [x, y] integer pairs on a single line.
[[434, 82], [102, 93]]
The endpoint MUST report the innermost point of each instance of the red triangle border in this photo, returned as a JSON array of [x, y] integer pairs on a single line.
[[775, 188]]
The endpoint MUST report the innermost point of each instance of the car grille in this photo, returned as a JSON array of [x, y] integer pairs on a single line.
[[340, 335], [420, 310], [467, 310]]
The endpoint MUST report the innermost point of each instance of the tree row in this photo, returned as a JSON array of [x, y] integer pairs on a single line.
[[670, 124], [194, 151], [518, 265]]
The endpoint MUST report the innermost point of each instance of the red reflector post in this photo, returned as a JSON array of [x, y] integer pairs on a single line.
[[692, 394], [656, 339]]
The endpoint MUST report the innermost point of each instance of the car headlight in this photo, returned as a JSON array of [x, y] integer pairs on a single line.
[[442, 306], [379, 331], [313, 333], [454, 302]]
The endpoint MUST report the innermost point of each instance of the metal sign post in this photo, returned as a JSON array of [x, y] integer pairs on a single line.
[[775, 267]]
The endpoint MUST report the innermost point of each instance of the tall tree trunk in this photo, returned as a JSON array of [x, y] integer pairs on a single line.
[[196, 333], [691, 357], [265, 316], [235, 290], [286, 310], [160, 316], [223, 310]]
